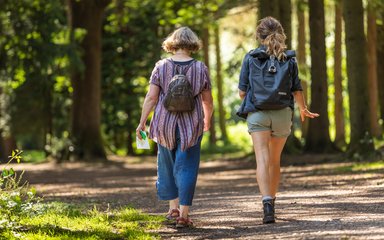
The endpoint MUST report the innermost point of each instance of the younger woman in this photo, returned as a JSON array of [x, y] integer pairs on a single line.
[[270, 125]]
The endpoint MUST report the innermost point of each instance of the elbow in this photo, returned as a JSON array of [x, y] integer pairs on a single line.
[[152, 99]]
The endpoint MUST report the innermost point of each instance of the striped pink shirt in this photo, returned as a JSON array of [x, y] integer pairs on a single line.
[[163, 124]]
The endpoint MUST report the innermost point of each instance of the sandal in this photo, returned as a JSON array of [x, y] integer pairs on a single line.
[[183, 222], [173, 214]]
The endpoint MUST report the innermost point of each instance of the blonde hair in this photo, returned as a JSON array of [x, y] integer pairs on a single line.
[[182, 38], [270, 33]]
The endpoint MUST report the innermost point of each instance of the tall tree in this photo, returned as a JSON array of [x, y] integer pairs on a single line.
[[269, 8], [219, 82], [380, 67], [205, 41], [361, 139], [372, 70], [302, 53], [285, 14], [339, 110], [318, 139], [86, 104], [301, 34]]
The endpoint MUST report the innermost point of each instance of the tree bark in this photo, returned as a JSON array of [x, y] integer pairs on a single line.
[[380, 69], [372, 72], [219, 82], [285, 16], [302, 55], [339, 110], [301, 34], [205, 40], [318, 139], [86, 105], [361, 140], [269, 8]]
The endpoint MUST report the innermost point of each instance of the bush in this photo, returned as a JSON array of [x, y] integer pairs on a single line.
[[16, 198]]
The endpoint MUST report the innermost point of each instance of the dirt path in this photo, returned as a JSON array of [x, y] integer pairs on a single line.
[[315, 202]]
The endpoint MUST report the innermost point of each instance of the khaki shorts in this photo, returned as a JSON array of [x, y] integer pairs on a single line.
[[279, 122]]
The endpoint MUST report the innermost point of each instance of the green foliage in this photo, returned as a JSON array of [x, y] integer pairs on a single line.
[[239, 141], [63, 221], [361, 167], [34, 156], [34, 62], [16, 198]]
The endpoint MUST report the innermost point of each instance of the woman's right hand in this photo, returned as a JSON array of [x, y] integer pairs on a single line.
[[139, 128], [306, 113], [207, 125]]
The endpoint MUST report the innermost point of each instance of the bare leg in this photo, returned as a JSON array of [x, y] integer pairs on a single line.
[[184, 211], [174, 204], [276, 145], [261, 147]]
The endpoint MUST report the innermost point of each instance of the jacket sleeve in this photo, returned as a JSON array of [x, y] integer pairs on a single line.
[[244, 74], [296, 83]]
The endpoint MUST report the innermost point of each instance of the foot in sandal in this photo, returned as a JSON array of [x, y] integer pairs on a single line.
[[173, 214], [183, 222]]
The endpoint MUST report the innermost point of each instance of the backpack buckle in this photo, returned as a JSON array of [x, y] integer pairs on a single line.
[[272, 68]]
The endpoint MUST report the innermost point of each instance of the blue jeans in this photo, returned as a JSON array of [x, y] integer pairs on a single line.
[[177, 172]]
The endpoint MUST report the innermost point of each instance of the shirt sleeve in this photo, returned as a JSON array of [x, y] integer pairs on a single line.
[[206, 79], [296, 83], [244, 75], [155, 76]]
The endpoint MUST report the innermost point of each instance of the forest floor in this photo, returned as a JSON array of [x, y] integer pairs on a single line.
[[317, 200]]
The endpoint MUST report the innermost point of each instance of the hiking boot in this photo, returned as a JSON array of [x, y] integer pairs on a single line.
[[269, 211]]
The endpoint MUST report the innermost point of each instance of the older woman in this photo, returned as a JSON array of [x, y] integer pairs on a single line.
[[178, 134]]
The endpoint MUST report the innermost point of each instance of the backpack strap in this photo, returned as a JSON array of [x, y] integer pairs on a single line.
[[262, 54], [179, 67], [290, 53]]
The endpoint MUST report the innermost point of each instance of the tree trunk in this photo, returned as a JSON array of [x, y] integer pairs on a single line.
[[380, 69], [318, 139], [86, 109], [338, 78], [302, 55], [301, 34], [212, 131], [285, 15], [372, 72], [7, 145], [361, 139], [269, 8], [219, 82]]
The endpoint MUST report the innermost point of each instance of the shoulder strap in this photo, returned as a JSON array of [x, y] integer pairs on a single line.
[[189, 66], [290, 53], [178, 67]]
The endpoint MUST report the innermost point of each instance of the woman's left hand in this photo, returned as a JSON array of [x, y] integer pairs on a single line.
[[306, 113]]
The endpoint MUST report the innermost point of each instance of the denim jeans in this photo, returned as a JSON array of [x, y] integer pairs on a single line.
[[177, 172]]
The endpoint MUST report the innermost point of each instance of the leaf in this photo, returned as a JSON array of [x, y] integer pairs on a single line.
[[5, 173]]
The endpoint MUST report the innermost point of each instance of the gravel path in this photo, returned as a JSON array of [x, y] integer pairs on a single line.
[[315, 201]]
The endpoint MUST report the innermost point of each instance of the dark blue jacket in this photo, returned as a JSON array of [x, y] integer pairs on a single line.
[[247, 105]]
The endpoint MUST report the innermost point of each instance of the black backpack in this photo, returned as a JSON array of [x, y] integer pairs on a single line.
[[270, 80], [179, 96]]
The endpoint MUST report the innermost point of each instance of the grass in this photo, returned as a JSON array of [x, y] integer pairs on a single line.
[[34, 156], [361, 167], [64, 221]]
